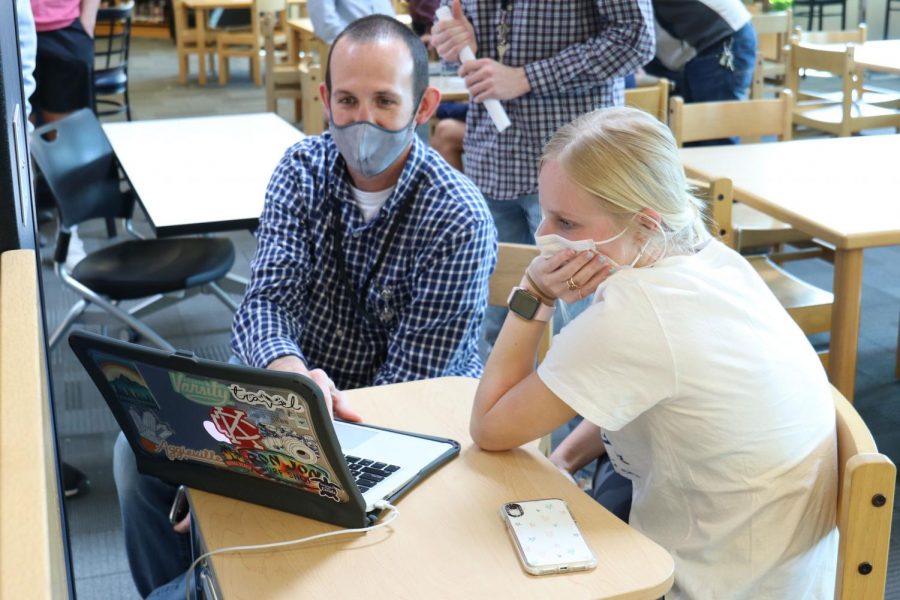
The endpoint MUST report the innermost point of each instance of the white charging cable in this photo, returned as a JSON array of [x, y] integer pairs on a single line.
[[381, 505]]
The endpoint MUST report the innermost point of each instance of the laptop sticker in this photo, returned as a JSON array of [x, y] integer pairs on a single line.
[[127, 383], [153, 432], [233, 423], [200, 390]]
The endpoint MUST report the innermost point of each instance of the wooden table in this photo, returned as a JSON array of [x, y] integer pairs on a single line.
[[200, 18], [448, 541], [33, 556], [842, 190], [203, 174], [881, 55], [302, 38]]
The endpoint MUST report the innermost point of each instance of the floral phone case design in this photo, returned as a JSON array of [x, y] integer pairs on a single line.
[[546, 537]]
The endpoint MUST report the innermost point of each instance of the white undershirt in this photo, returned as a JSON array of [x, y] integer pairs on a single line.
[[370, 203]]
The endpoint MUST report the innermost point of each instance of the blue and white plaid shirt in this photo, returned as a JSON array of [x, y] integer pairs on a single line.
[[428, 296], [575, 54]]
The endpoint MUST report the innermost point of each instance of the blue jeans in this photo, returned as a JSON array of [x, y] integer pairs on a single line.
[[157, 554]]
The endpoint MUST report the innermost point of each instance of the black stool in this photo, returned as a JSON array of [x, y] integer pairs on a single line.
[[812, 6]]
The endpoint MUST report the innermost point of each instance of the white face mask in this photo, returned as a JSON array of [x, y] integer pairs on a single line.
[[553, 243]]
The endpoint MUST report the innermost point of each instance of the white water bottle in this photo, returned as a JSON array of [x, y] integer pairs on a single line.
[[494, 108]]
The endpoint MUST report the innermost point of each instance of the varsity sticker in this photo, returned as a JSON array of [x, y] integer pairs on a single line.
[[234, 424]]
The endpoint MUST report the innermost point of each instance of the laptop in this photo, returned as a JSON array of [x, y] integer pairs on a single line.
[[253, 434]]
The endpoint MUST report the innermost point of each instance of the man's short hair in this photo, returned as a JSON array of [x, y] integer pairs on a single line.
[[381, 27]]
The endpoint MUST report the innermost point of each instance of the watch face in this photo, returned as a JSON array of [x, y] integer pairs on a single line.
[[524, 304]]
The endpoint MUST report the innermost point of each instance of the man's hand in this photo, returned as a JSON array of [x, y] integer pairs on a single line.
[[489, 80], [450, 37], [183, 525], [334, 398]]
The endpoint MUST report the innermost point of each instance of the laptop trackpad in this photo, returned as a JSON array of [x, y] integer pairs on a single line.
[[353, 437]]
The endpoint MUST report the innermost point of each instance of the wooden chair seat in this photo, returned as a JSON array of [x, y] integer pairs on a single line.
[[755, 229], [830, 117], [808, 305], [245, 41]]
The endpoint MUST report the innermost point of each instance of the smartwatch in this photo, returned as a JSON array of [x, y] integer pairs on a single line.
[[528, 306]]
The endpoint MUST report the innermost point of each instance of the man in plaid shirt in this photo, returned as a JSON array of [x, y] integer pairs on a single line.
[[548, 61], [372, 264]]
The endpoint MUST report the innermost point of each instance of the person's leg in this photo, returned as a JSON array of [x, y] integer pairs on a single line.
[[156, 553], [448, 141], [611, 490], [516, 221]]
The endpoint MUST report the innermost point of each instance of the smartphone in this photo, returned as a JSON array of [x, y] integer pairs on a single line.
[[180, 506], [546, 537]]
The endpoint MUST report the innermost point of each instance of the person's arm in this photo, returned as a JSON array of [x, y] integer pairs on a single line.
[[268, 322], [581, 446], [513, 406], [625, 43], [88, 15], [449, 295], [326, 22]]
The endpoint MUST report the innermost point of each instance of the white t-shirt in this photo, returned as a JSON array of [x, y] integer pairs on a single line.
[[370, 203], [717, 408]]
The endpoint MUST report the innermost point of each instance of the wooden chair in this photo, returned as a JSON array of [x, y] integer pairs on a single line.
[[700, 121], [864, 507], [282, 79], [862, 92], [773, 33], [809, 306], [512, 260], [241, 42], [653, 99], [846, 115], [186, 42]]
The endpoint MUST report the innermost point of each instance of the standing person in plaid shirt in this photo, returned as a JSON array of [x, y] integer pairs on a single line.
[[371, 268], [549, 62]]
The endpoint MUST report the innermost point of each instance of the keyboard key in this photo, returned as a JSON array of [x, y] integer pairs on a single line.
[[379, 465], [352, 459], [365, 462], [391, 468]]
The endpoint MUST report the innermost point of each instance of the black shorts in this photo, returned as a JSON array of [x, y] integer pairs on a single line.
[[64, 70]]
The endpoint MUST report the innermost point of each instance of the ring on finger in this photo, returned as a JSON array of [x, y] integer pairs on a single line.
[[572, 285]]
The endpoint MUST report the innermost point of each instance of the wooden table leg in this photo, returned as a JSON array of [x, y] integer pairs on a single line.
[[181, 19], [848, 268], [200, 15]]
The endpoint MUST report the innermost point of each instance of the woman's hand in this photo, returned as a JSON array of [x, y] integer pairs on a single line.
[[569, 275]]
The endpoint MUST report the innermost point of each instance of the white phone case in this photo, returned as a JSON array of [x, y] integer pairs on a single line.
[[547, 537]]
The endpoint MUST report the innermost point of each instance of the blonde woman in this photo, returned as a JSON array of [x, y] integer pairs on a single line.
[[692, 378]]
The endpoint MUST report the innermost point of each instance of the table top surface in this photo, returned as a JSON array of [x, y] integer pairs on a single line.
[[449, 535], [202, 174], [877, 55], [305, 23], [844, 190]]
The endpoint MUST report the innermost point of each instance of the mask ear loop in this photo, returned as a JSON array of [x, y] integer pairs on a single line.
[[662, 230]]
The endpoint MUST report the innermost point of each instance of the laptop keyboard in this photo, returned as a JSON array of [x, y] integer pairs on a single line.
[[367, 472]]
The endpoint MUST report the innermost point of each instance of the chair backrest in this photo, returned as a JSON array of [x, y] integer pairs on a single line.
[[512, 260], [80, 167], [699, 121], [112, 36], [850, 36], [838, 61], [653, 99], [773, 32], [864, 507]]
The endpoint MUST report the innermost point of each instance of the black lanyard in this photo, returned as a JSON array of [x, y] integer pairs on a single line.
[[337, 235]]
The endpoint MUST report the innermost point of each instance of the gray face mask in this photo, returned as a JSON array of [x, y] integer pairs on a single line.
[[368, 148]]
